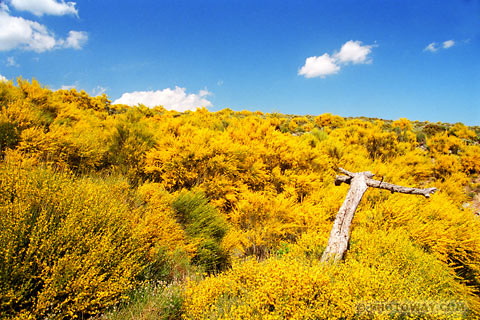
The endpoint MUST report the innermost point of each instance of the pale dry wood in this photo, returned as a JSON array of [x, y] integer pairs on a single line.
[[359, 183], [340, 234]]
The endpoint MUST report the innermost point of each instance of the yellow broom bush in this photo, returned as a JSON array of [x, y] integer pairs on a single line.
[[67, 248], [98, 198], [381, 267]]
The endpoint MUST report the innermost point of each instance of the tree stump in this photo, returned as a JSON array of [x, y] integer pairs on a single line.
[[359, 183]]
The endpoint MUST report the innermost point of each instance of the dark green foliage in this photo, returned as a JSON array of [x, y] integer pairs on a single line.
[[421, 138], [204, 224], [166, 267], [432, 129], [9, 136], [402, 135], [151, 302]]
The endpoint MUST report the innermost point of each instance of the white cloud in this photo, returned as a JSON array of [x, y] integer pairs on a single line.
[[65, 87], [75, 40], [41, 41], [4, 7], [354, 52], [11, 62], [3, 79], [98, 90], [319, 67], [433, 47], [324, 65], [17, 32], [175, 99], [41, 7], [447, 44]]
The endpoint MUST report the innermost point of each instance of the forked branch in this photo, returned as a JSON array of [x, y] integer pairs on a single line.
[[359, 183], [383, 185]]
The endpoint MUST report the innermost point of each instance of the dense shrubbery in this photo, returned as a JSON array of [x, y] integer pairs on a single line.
[[205, 227], [102, 202], [381, 266], [68, 247]]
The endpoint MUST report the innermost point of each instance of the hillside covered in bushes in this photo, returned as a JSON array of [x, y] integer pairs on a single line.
[[224, 215]]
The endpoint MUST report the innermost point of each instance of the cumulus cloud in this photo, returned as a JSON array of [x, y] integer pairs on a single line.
[[449, 43], [41, 7], [433, 47], [176, 99], [17, 32], [321, 66], [75, 40], [3, 79], [354, 52]]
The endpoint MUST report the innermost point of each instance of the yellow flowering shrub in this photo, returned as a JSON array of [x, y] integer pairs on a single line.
[[157, 224], [471, 159], [128, 142], [380, 267], [329, 120], [264, 221], [67, 248], [445, 143], [98, 199]]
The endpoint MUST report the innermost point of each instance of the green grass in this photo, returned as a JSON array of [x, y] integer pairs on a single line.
[[156, 301]]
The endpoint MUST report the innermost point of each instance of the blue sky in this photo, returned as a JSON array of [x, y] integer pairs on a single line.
[[385, 58]]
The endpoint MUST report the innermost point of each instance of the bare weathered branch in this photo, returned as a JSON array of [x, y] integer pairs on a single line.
[[359, 183], [340, 234], [396, 188], [384, 185], [367, 174], [348, 173]]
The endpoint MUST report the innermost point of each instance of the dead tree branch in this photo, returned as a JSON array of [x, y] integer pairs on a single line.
[[359, 183]]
